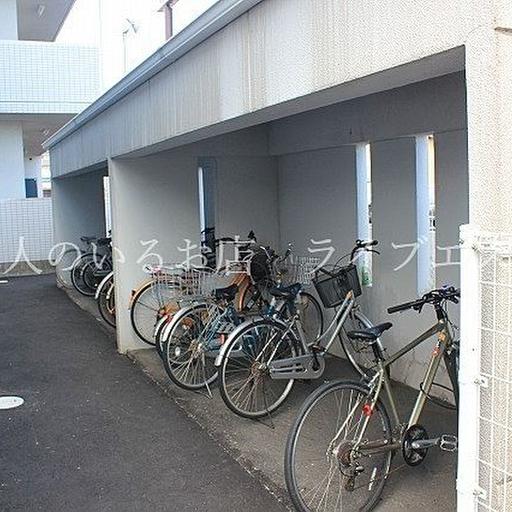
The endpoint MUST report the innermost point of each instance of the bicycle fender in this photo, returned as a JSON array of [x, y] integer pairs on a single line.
[[234, 333], [178, 316], [102, 284]]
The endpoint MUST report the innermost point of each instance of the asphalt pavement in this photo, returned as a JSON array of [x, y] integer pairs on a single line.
[[95, 434]]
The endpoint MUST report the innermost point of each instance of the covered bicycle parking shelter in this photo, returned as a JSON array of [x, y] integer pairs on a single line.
[[306, 114]]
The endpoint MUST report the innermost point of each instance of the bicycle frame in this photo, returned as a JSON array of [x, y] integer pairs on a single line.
[[381, 381]]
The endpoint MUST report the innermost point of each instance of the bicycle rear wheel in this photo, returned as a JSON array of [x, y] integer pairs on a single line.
[[311, 316], [78, 274], [149, 304], [106, 302], [360, 355], [324, 469]]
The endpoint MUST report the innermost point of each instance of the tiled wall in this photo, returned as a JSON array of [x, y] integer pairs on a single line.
[[40, 77], [29, 220]]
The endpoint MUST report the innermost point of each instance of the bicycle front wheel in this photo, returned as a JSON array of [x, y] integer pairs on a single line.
[[326, 467], [245, 382]]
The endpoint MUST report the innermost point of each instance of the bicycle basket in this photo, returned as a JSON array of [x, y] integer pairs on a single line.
[[301, 269], [332, 290]]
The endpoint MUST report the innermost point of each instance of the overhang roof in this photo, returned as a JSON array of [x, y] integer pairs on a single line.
[[41, 20], [211, 21]]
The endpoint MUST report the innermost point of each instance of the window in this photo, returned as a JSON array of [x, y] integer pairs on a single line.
[[106, 202], [364, 208], [425, 212], [207, 189]]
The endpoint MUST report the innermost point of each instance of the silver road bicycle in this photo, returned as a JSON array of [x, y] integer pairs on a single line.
[[339, 450]]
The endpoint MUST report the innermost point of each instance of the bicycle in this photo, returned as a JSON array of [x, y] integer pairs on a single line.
[[154, 303], [66, 260], [252, 357], [105, 298], [344, 426], [90, 268], [192, 340]]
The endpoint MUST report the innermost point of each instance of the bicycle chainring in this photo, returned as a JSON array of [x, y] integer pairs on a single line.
[[414, 456]]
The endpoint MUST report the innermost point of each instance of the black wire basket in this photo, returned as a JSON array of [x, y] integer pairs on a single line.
[[332, 289]]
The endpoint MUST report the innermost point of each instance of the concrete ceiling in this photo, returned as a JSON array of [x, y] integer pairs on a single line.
[[35, 27], [37, 128]]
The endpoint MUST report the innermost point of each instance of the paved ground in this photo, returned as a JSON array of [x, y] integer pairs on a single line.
[[95, 434]]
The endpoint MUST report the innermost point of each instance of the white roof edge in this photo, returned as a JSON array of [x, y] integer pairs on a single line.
[[211, 21]]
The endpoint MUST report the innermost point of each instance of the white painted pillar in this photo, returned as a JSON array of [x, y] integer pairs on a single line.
[[153, 198], [489, 104], [12, 168]]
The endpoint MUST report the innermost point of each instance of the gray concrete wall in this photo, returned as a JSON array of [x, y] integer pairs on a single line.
[[247, 198], [154, 198], [78, 207], [317, 192]]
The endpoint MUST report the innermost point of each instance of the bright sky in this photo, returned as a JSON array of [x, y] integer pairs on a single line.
[[126, 31]]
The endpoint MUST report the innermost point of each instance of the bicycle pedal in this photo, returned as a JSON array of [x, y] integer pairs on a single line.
[[448, 443]]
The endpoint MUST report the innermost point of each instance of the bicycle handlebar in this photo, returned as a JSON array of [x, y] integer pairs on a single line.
[[434, 297]]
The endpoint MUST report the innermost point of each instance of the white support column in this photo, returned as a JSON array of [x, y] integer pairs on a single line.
[[489, 104], [489, 112], [153, 199]]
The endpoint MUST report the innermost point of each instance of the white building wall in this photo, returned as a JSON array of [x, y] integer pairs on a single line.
[[12, 169], [273, 58], [25, 226], [40, 77]]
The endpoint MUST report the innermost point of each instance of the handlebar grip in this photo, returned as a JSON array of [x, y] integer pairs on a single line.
[[405, 306]]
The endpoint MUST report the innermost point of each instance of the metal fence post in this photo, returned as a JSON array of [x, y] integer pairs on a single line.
[[467, 472]]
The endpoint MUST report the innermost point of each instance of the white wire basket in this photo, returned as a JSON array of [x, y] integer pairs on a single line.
[[299, 269], [191, 283]]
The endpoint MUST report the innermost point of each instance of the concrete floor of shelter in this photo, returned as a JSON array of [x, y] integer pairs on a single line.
[[259, 446]]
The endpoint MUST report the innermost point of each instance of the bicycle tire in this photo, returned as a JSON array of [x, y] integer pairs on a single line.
[[296, 488], [228, 361], [192, 324], [153, 306], [106, 302]]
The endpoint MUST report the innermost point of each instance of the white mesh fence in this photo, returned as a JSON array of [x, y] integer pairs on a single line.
[[25, 224], [488, 447]]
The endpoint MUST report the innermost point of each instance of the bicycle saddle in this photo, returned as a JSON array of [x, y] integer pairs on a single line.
[[104, 241], [286, 292], [227, 293], [88, 239], [370, 334]]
